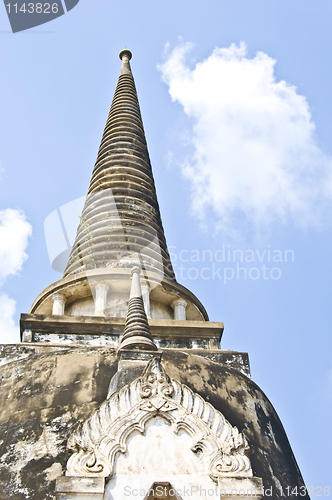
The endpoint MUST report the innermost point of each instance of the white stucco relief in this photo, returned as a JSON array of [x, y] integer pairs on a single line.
[[222, 450]]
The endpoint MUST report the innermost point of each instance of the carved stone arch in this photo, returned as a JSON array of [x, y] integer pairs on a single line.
[[105, 433]]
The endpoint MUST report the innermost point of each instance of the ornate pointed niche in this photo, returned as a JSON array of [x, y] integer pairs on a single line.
[[195, 440]]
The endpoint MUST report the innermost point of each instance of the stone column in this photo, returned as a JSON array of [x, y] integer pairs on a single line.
[[27, 336], [59, 302], [146, 299], [101, 290], [179, 306]]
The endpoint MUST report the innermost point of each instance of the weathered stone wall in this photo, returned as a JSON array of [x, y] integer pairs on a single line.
[[42, 397], [47, 390]]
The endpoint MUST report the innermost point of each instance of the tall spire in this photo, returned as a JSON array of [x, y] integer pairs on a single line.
[[121, 223], [120, 227]]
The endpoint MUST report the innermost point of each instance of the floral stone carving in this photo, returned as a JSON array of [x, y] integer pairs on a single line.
[[104, 434]]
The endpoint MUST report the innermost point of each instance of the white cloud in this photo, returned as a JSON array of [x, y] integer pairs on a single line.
[[256, 159], [14, 235], [9, 332]]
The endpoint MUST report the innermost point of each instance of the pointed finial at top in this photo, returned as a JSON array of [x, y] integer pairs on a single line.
[[125, 56], [125, 53]]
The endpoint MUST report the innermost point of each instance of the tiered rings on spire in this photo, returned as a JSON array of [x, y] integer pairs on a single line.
[[121, 223]]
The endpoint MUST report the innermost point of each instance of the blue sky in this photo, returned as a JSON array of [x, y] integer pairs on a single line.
[[57, 82]]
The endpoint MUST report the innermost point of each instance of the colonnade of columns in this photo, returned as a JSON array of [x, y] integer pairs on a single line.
[[101, 291]]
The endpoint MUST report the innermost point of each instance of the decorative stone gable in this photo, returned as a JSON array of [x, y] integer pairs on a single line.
[[221, 447]]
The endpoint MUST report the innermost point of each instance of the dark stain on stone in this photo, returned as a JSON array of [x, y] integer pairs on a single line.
[[34, 472]]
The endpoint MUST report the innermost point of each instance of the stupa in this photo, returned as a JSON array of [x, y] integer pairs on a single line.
[[119, 387]]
